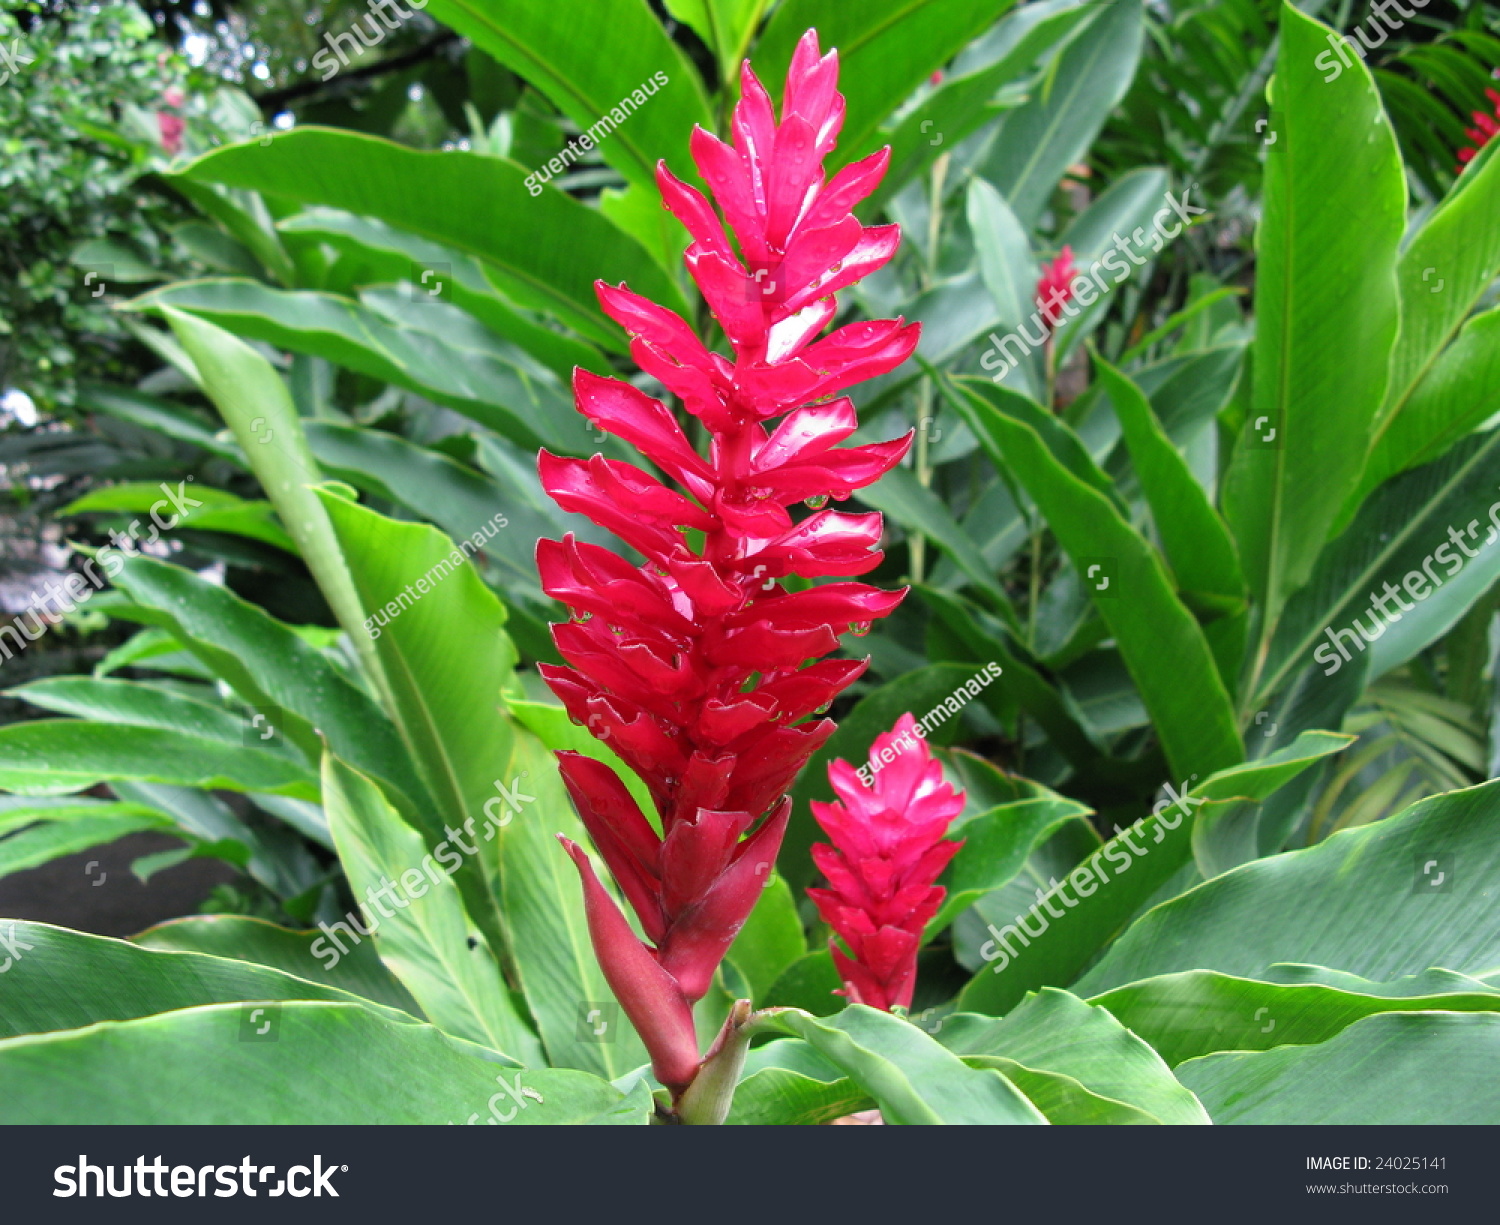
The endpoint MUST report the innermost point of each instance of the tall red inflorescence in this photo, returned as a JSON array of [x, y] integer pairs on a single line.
[[693, 666], [887, 851]]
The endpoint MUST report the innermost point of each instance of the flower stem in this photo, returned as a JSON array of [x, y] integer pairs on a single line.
[[708, 1098]]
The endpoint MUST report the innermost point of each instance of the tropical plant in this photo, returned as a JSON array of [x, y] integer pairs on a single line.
[[1141, 524]]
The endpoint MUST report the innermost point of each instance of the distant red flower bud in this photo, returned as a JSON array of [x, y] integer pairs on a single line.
[[1055, 288], [1482, 133], [887, 851]]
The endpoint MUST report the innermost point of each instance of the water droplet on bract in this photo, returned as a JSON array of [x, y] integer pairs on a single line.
[[859, 628], [824, 708], [577, 722], [817, 502], [616, 630], [582, 616]]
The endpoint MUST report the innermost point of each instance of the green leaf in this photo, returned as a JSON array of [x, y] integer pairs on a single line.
[[61, 979], [456, 498], [393, 256], [541, 906], [1382, 920], [138, 704], [1199, 1012], [968, 100], [197, 1066], [241, 938], [886, 49], [447, 657], [1053, 1031], [809, 983], [1325, 311], [464, 372], [67, 829], [426, 938], [725, 26], [258, 408], [1439, 387], [785, 1081], [1120, 878], [1194, 538], [219, 511], [1035, 144], [771, 940], [272, 668], [1005, 259], [588, 79], [546, 257], [160, 416], [1418, 525], [912, 1079], [997, 845], [1398, 1069], [57, 756], [1162, 644]]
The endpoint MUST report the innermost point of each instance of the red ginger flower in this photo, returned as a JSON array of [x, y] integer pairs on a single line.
[[691, 665], [887, 851], [1055, 288], [1481, 134]]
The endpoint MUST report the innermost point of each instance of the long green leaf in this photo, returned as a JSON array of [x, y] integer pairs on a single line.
[[1325, 311]]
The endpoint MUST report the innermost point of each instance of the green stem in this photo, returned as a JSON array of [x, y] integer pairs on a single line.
[[708, 1098]]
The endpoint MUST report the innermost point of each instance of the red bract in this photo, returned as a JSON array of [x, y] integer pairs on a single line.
[[691, 665], [1055, 287], [1484, 130], [887, 852]]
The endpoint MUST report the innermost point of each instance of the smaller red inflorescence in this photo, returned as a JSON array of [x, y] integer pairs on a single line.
[[887, 851], [1055, 288]]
